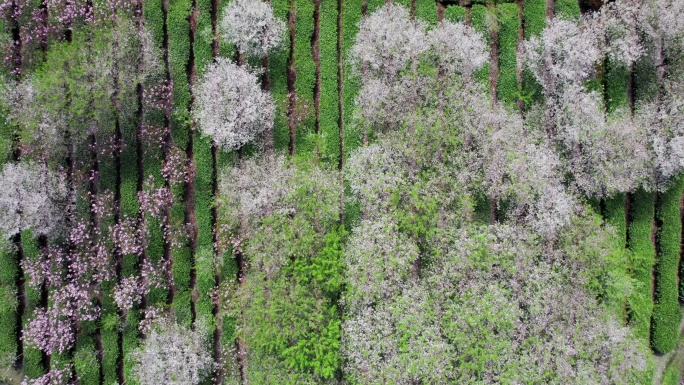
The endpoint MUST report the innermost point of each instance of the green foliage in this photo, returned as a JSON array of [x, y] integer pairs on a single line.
[[534, 14], [616, 217], [289, 310], [675, 366], [426, 11], [666, 312], [277, 61], [306, 71], [617, 81], [568, 8], [671, 376], [455, 13], [507, 86], [179, 52]]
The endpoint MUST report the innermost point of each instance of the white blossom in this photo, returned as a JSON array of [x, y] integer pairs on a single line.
[[665, 124], [566, 53], [458, 48], [663, 19], [618, 21], [40, 126], [230, 105]]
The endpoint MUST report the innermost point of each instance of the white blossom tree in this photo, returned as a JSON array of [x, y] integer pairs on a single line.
[[172, 354], [31, 197], [230, 106], [387, 42], [252, 27]]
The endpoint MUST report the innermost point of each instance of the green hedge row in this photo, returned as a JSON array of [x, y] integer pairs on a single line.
[[8, 305], [617, 82], [154, 19], [455, 13], [615, 215], [642, 260], [484, 2], [667, 313], [329, 111], [306, 72], [478, 17], [278, 74], [507, 85], [85, 359], [534, 18], [179, 53], [671, 376], [32, 356], [675, 368], [203, 181]]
